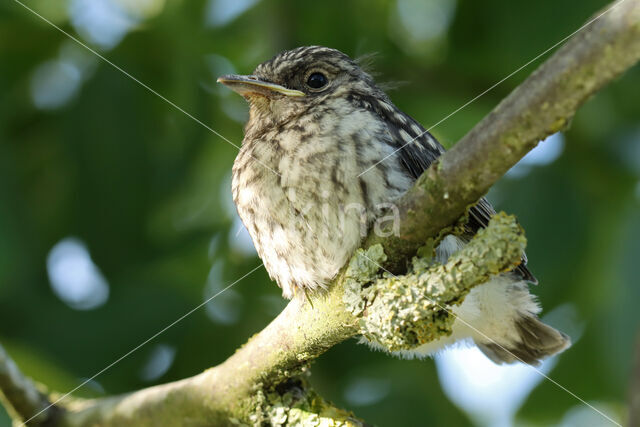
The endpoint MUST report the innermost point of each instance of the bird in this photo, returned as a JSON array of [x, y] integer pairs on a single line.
[[325, 153]]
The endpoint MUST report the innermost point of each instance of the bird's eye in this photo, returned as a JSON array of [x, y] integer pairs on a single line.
[[317, 81]]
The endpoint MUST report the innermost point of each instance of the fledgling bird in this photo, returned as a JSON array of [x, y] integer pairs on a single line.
[[317, 121]]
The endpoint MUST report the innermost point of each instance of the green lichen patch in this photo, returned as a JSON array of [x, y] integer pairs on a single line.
[[294, 403], [361, 273], [403, 312], [402, 316]]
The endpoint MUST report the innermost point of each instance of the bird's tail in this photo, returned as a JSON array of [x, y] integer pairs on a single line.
[[536, 342]]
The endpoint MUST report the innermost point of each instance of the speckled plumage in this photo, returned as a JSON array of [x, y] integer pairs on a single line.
[[299, 220], [297, 180]]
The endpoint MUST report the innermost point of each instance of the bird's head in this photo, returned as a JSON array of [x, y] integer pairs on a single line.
[[294, 81]]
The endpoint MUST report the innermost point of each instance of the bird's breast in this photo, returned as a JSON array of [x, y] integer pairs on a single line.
[[299, 193]]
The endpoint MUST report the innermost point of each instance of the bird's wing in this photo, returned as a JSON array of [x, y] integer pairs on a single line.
[[417, 155]]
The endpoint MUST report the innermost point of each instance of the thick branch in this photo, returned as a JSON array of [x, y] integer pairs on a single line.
[[542, 105], [403, 312], [362, 301]]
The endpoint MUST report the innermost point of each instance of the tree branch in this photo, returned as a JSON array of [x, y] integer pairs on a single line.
[[265, 379], [20, 395], [404, 312], [252, 383]]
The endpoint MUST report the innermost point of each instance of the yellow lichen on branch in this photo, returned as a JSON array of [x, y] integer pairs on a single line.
[[403, 312]]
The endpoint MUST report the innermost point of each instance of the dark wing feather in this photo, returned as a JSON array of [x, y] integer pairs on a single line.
[[416, 158]]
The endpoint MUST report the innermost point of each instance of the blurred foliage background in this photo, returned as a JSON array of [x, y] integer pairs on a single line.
[[116, 218]]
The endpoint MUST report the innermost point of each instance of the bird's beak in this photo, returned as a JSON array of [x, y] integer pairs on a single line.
[[251, 85]]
